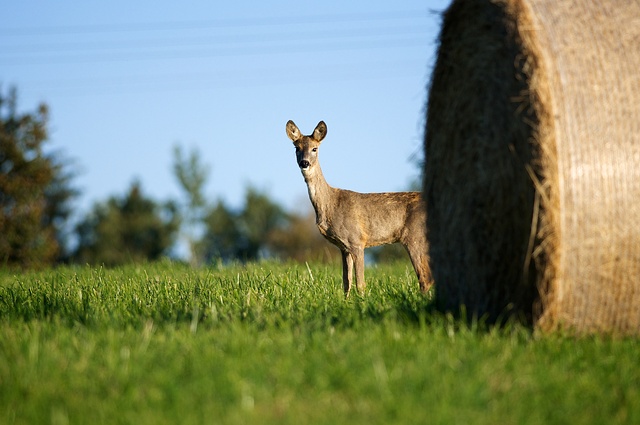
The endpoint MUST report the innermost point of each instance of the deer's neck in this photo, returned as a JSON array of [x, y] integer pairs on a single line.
[[320, 193]]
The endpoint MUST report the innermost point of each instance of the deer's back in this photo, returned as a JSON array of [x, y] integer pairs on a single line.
[[374, 219]]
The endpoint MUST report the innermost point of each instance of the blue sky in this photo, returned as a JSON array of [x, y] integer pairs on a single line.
[[126, 81]]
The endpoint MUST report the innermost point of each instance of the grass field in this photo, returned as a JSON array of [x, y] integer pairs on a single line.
[[272, 343]]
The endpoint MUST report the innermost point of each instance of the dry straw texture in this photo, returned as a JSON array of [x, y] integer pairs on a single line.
[[532, 175]]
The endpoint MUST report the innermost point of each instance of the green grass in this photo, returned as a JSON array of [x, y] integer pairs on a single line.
[[271, 343]]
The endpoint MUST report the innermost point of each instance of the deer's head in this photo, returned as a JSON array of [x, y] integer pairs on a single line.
[[306, 146]]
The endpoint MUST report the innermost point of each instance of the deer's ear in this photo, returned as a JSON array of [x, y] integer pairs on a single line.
[[292, 131], [320, 131]]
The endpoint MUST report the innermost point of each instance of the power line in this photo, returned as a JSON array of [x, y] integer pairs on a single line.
[[213, 45], [307, 38], [210, 24], [369, 70], [48, 46], [204, 53]]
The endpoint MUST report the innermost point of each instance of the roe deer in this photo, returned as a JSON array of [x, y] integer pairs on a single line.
[[354, 221]]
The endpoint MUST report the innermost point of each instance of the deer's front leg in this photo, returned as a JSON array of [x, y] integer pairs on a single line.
[[358, 258], [347, 271]]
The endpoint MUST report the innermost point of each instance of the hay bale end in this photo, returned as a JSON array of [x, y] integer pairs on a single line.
[[532, 171]]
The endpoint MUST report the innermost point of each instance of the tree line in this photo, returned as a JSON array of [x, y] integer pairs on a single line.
[[37, 194]]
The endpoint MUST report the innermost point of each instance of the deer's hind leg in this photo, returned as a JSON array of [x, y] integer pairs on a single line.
[[420, 260]]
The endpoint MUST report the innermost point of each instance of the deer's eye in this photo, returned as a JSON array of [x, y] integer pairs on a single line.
[[315, 149]]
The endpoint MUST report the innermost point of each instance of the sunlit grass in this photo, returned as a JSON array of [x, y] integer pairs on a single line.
[[272, 343]]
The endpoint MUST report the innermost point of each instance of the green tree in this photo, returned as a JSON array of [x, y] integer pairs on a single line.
[[221, 240], [35, 191], [389, 253], [192, 176], [132, 228], [258, 220], [243, 235], [300, 240]]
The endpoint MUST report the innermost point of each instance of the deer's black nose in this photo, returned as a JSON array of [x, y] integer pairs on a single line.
[[304, 163]]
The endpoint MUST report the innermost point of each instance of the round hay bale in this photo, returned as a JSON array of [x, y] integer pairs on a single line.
[[532, 171]]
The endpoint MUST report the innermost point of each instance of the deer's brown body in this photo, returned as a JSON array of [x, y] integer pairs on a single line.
[[354, 221]]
